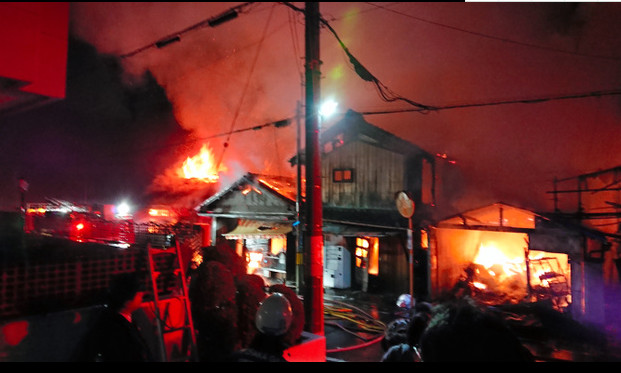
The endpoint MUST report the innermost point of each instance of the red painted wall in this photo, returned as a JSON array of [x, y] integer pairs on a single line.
[[33, 46]]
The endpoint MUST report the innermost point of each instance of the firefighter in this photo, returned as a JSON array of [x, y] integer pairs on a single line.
[[272, 321]]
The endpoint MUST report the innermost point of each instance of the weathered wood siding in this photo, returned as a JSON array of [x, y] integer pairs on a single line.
[[378, 175]]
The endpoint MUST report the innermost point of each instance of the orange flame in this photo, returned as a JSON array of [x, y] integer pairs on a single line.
[[490, 255], [202, 167]]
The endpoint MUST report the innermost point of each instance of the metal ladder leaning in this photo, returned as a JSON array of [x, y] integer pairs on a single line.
[[189, 352]]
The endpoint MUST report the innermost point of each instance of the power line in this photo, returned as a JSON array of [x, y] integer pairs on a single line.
[[385, 93], [175, 37], [505, 40], [506, 102], [277, 124], [287, 121], [254, 63]]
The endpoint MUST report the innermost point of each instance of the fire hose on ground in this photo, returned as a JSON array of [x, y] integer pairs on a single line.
[[335, 311]]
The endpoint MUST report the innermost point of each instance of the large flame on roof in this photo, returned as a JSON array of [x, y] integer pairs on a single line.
[[202, 166]]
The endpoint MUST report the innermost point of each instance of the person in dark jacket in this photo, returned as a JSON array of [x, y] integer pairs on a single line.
[[115, 338], [408, 351], [463, 331]]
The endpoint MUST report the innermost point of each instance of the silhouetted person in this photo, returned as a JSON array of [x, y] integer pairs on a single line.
[[462, 331], [273, 319], [408, 351], [115, 338]]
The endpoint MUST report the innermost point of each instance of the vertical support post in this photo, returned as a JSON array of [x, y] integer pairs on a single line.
[[529, 288], [313, 253], [410, 245], [299, 247], [212, 232]]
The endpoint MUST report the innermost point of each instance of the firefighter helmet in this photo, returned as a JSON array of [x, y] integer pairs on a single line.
[[274, 315], [405, 301]]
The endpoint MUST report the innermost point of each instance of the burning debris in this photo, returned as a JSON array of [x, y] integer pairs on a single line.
[[494, 278]]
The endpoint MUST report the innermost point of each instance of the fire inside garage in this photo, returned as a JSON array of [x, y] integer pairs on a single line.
[[502, 254]]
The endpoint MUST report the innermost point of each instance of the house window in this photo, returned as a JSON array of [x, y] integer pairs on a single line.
[[367, 254], [343, 175], [427, 192]]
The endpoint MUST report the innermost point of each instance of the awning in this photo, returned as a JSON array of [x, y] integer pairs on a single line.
[[258, 229]]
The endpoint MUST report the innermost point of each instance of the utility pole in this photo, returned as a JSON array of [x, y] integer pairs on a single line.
[[313, 253], [299, 246]]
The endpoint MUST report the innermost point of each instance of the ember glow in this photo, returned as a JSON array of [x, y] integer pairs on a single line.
[[497, 262], [202, 166], [254, 261], [500, 272]]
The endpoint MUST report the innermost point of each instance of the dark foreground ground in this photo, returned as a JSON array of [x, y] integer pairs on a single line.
[[550, 336]]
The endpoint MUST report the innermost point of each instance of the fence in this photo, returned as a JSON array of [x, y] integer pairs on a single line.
[[56, 274]]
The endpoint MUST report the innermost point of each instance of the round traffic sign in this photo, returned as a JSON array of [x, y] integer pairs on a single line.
[[405, 205]]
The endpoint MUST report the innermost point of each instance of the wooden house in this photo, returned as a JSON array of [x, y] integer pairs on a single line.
[[256, 213], [363, 169]]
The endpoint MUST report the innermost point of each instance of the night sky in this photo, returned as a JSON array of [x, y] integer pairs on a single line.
[[127, 120]]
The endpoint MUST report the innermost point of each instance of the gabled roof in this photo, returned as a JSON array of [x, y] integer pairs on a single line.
[[496, 215], [353, 127], [253, 196], [504, 216]]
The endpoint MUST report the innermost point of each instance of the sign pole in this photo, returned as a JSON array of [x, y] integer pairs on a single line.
[[405, 205], [411, 258]]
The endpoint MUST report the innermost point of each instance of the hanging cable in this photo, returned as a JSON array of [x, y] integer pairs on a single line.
[[254, 63], [611, 92], [505, 40], [385, 93], [175, 37], [296, 47]]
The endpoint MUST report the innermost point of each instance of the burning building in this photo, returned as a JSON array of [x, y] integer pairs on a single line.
[[257, 213], [503, 254], [365, 237]]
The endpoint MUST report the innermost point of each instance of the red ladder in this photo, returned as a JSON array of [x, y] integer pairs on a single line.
[[188, 352]]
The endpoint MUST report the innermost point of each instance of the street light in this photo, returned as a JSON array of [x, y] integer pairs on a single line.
[[327, 108]]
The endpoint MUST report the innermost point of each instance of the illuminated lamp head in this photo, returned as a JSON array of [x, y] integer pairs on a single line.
[[122, 209], [328, 108]]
